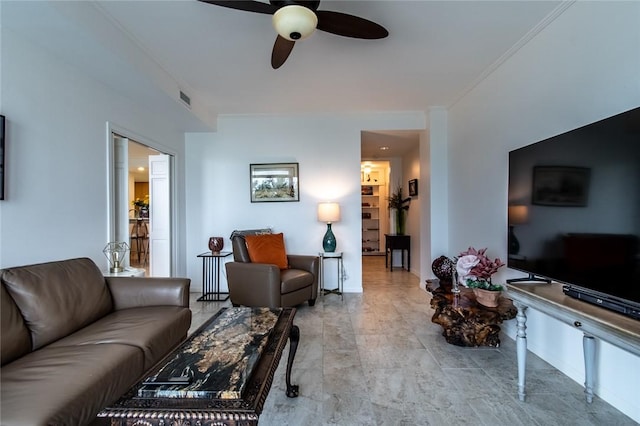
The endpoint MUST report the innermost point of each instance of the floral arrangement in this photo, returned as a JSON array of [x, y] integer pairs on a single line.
[[140, 203], [474, 269]]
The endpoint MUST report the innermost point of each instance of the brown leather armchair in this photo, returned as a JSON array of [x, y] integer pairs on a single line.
[[259, 284]]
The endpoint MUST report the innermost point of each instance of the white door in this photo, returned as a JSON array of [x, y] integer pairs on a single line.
[[121, 193], [160, 215]]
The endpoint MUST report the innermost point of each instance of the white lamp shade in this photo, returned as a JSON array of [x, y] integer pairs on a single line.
[[328, 212], [518, 215], [294, 22]]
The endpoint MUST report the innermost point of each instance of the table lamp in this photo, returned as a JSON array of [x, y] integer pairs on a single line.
[[115, 252], [329, 213], [517, 215]]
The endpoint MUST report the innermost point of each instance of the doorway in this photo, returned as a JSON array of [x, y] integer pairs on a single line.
[[374, 179], [393, 158], [140, 213]]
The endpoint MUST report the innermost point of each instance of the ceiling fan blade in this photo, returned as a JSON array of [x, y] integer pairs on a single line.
[[349, 26], [249, 6], [281, 50]]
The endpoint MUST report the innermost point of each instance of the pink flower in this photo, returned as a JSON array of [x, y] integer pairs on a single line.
[[464, 266], [484, 268]]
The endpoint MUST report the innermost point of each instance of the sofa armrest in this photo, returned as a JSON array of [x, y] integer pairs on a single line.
[[253, 284], [133, 292], [304, 262]]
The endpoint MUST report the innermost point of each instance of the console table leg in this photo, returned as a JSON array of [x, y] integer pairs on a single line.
[[589, 348], [521, 347], [294, 338]]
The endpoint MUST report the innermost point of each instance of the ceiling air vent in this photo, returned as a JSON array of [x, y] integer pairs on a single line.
[[185, 98]]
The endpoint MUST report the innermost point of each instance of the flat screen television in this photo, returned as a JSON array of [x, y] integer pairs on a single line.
[[574, 212]]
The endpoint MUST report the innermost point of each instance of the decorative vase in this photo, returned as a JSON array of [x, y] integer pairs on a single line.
[[400, 222], [329, 241], [144, 212], [487, 298], [216, 244]]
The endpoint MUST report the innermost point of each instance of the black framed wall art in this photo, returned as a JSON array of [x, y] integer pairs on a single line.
[[413, 187], [274, 182]]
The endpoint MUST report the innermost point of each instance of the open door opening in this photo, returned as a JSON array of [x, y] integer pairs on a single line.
[[141, 207], [388, 160], [374, 177]]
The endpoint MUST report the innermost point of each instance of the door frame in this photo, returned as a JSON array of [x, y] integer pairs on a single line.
[[111, 186]]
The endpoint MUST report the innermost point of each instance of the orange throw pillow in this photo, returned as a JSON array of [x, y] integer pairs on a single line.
[[267, 248]]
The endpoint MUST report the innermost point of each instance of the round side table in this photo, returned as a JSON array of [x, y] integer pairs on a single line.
[[128, 272]]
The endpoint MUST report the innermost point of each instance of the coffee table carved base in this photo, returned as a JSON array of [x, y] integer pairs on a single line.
[[464, 321]]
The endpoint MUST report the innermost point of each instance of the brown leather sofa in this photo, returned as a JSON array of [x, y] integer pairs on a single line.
[[258, 284], [74, 341]]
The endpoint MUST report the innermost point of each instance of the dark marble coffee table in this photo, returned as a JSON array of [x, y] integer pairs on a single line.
[[227, 369], [464, 321]]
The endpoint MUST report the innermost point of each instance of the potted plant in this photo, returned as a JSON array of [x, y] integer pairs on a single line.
[[401, 205], [474, 270]]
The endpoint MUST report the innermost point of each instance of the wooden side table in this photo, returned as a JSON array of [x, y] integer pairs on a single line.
[[464, 321], [211, 276], [397, 242]]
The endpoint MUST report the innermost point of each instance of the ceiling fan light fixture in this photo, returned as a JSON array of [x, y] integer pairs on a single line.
[[294, 22]]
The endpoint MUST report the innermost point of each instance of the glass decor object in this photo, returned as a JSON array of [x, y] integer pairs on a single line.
[[328, 213], [454, 282], [216, 244], [115, 252]]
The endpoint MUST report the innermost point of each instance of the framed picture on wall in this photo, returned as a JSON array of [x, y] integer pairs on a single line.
[[560, 186], [413, 187], [1, 157], [274, 182]]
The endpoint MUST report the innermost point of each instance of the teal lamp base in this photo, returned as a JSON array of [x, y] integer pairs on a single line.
[[329, 240]]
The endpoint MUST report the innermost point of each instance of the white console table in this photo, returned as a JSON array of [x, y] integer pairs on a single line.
[[595, 322]]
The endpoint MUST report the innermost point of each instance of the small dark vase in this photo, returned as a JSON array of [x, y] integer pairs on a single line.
[[216, 244]]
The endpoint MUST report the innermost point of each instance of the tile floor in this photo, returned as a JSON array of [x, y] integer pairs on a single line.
[[377, 359]]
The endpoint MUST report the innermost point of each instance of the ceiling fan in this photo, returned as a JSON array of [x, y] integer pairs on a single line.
[[296, 20]]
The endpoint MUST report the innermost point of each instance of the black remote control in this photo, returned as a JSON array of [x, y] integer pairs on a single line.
[[180, 380]]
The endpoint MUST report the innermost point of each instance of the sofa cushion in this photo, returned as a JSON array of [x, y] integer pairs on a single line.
[[15, 339], [295, 279], [268, 248], [58, 298], [67, 385], [153, 330]]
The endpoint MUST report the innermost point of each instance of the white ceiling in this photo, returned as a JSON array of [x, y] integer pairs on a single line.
[[139, 157], [435, 52]]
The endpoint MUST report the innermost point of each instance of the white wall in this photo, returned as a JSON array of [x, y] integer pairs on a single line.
[[583, 67], [411, 170], [327, 148], [56, 164]]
